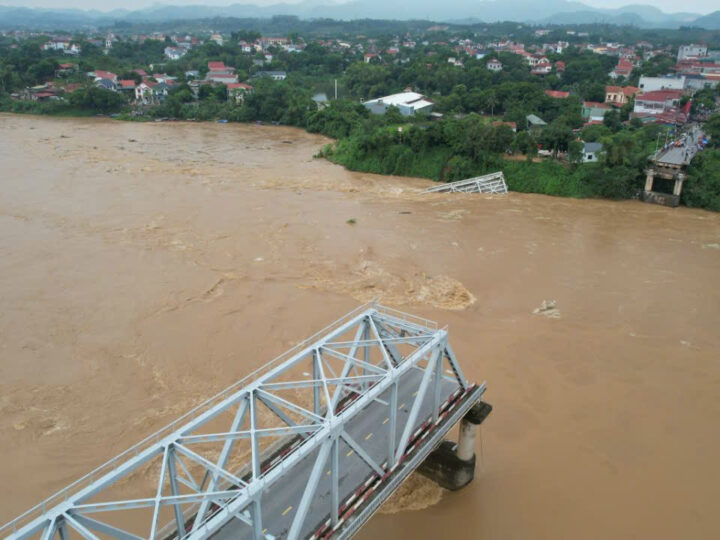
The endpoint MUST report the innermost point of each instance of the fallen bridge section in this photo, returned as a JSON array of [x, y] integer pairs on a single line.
[[309, 445], [489, 183]]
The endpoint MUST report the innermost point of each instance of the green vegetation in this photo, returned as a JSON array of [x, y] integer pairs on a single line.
[[484, 126]]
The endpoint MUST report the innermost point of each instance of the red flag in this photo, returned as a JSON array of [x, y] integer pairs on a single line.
[[686, 108]]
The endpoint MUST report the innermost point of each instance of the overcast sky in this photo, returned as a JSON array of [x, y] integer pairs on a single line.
[[669, 6]]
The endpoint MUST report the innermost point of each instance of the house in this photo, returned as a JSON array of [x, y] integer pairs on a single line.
[[623, 69], [238, 91], [535, 124], [217, 38], [221, 68], [542, 68], [99, 74], [593, 111], [126, 85], [192, 74], [144, 92], [148, 92], [57, 44], [175, 53], [557, 94], [650, 84], [494, 65], [619, 95], [658, 101], [560, 67], [274, 75], [223, 78], [369, 57], [220, 73], [105, 84], [591, 152], [409, 104]]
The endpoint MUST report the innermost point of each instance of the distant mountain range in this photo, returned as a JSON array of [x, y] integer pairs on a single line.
[[553, 11]]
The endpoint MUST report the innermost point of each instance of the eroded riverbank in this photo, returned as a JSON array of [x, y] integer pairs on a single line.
[[146, 266]]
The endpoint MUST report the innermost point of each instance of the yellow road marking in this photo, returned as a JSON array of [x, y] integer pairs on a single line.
[[264, 531], [415, 393], [368, 436], [401, 406], [350, 453], [287, 510], [328, 473], [386, 421]]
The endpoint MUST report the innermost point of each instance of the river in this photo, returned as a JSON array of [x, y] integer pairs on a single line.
[[145, 266]]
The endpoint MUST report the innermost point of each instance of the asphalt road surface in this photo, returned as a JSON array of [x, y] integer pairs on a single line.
[[682, 155], [370, 429]]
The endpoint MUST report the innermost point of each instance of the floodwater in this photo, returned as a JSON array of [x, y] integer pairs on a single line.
[[144, 267]]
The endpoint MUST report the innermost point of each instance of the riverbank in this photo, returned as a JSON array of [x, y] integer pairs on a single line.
[[451, 153]]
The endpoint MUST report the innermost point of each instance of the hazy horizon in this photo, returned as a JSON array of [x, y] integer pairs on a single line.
[[668, 6]]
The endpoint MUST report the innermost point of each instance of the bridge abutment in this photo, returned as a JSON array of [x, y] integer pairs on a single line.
[[452, 465]]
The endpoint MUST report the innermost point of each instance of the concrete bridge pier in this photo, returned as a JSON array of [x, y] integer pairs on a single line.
[[452, 465]]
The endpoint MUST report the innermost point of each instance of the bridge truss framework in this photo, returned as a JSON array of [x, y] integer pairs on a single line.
[[213, 465]]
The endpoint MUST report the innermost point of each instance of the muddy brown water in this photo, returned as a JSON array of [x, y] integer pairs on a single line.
[[144, 267]]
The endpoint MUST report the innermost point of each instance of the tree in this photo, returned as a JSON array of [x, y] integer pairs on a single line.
[[712, 128], [611, 120], [575, 151], [702, 187], [556, 136], [97, 99]]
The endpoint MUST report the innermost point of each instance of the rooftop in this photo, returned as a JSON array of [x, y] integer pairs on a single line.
[[412, 99]]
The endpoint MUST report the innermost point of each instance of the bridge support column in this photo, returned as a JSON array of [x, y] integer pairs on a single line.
[[451, 465], [649, 179], [677, 188]]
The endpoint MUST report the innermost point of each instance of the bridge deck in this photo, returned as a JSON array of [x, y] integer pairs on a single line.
[[372, 430], [680, 156]]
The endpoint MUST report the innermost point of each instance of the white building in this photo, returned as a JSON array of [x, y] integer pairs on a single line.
[[691, 51], [175, 53], [651, 84], [494, 65], [409, 103], [591, 152]]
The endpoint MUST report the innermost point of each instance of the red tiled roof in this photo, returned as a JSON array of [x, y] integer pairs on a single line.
[[660, 95], [595, 105], [105, 74], [557, 94], [216, 66], [512, 125], [126, 83], [234, 86]]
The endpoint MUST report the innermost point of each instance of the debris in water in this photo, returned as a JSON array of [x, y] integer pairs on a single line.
[[549, 309]]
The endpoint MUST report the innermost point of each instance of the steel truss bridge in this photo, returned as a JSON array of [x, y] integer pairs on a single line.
[[489, 183], [308, 446]]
